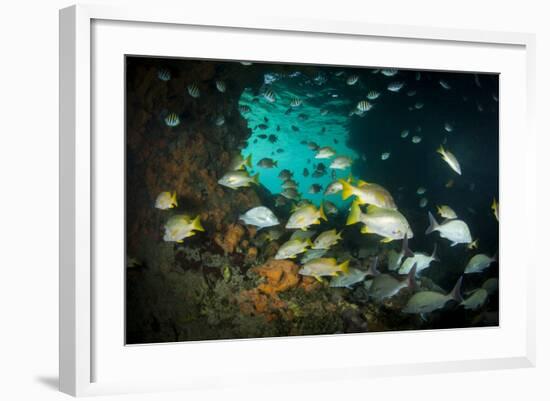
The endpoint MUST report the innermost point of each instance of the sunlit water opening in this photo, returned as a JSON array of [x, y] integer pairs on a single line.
[[281, 132]]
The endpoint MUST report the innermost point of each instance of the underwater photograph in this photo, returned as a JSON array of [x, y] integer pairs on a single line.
[[276, 199]]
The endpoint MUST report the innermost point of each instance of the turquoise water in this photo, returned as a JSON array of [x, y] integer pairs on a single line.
[[331, 130]]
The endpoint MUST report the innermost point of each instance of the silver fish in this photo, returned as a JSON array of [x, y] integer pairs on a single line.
[[172, 120], [193, 90], [260, 217]]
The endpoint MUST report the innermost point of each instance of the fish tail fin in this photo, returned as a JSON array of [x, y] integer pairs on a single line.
[[405, 250], [309, 242], [174, 199], [322, 213], [275, 163], [256, 179], [354, 214], [374, 267], [455, 292], [344, 267], [433, 224], [248, 161], [434, 253], [411, 281], [347, 189], [196, 224]]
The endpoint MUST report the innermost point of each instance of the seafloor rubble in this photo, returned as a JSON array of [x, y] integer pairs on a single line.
[[223, 282]]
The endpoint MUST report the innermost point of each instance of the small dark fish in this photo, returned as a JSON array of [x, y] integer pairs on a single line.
[[302, 117], [278, 128], [272, 138], [285, 174], [172, 120], [266, 119], [295, 128], [164, 74], [288, 111], [269, 95], [255, 141], [262, 136], [321, 167], [261, 126], [243, 108], [336, 141], [315, 189], [193, 90], [306, 172], [308, 161], [280, 150], [323, 130]]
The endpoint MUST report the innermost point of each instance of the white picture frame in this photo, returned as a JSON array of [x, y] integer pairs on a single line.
[[83, 348]]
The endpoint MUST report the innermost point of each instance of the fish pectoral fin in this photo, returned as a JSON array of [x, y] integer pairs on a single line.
[[386, 240], [365, 230], [319, 279]]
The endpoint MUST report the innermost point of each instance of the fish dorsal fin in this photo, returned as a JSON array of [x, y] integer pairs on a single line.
[[360, 183], [372, 208]]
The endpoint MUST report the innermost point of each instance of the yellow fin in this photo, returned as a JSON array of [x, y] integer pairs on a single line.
[[347, 189], [256, 179], [365, 230], [248, 160], [174, 199], [360, 183], [440, 150], [196, 224], [322, 213], [344, 267], [354, 214], [386, 240]]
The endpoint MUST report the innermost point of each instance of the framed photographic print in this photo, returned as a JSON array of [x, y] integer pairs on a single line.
[[337, 187]]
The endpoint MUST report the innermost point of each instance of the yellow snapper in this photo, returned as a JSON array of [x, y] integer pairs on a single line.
[[293, 247], [450, 159], [368, 193], [494, 208], [478, 263], [387, 223], [324, 267], [239, 162], [327, 239], [455, 231], [428, 301], [446, 212], [238, 179], [180, 226], [166, 200], [306, 216], [421, 260], [476, 300]]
